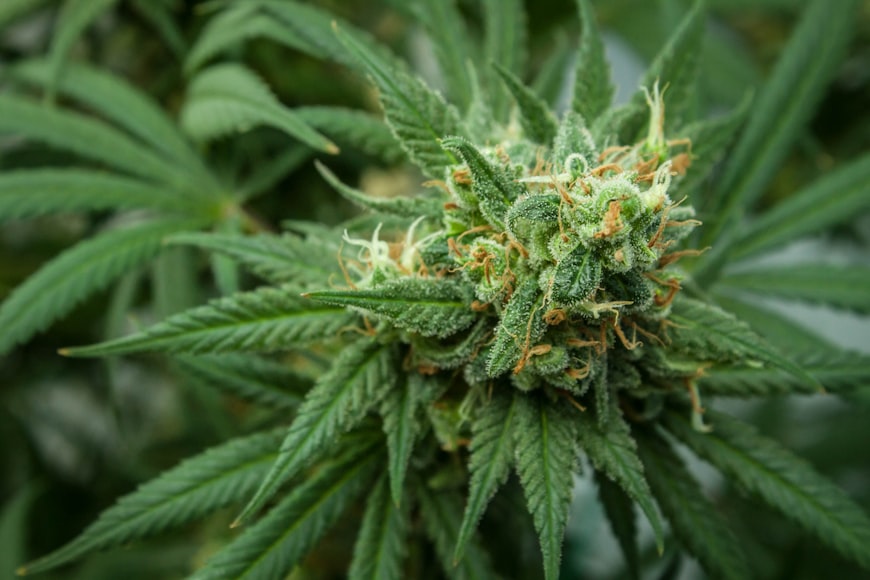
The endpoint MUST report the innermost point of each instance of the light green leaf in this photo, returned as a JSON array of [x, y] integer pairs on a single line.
[[264, 320], [429, 306], [521, 326], [693, 519], [450, 41], [229, 97], [120, 103], [271, 548], [614, 453], [537, 120], [706, 332], [381, 547], [545, 440], [196, 487], [442, 514], [838, 372], [492, 455], [837, 197], [841, 286], [229, 28], [493, 186], [398, 410], [418, 116], [504, 43], [285, 259], [593, 90], [76, 273], [786, 482], [400, 206], [362, 374], [72, 20], [620, 513], [782, 109], [359, 129], [26, 193], [273, 385], [85, 136]]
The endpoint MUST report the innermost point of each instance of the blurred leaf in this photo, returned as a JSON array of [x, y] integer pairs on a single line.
[[381, 546]]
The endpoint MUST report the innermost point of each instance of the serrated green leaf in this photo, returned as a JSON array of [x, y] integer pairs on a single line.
[[620, 513], [521, 326], [229, 28], [782, 480], [229, 97], [450, 42], [442, 514], [545, 441], [841, 286], [359, 129], [504, 43], [784, 332], [197, 486], [60, 284], [492, 455], [710, 139], [273, 385], [709, 333], [85, 136], [614, 453], [693, 519], [285, 259], [493, 186], [593, 90], [537, 120], [782, 109], [120, 103], [398, 410], [362, 375], [418, 116], [72, 20], [429, 306], [27, 193], [380, 548], [573, 138], [838, 372], [400, 206], [834, 198], [271, 548], [264, 320]]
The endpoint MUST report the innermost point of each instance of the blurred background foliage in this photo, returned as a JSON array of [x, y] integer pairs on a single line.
[[76, 434]]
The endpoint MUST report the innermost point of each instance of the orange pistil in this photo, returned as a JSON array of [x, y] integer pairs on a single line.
[[612, 223]]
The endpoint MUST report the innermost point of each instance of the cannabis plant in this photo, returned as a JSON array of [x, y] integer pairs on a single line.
[[564, 287]]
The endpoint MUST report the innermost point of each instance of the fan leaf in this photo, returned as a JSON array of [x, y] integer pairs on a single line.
[[545, 441], [60, 284], [196, 487], [782, 480], [263, 320], [361, 376], [381, 547]]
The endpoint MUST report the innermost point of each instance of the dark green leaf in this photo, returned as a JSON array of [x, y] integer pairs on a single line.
[[537, 120], [593, 90], [381, 548], [492, 455], [781, 479], [429, 306], [196, 487], [545, 440], [693, 519], [361, 376]]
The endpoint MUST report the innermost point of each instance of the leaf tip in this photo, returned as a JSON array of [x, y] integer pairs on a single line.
[[331, 148], [21, 571], [65, 351]]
